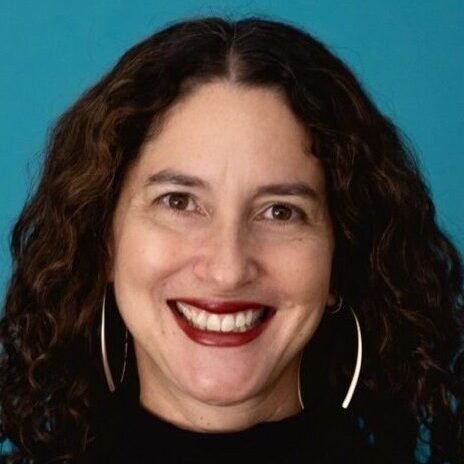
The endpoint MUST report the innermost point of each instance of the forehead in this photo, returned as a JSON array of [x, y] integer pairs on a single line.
[[224, 130]]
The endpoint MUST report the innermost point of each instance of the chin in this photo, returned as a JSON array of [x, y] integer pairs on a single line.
[[220, 392], [222, 399]]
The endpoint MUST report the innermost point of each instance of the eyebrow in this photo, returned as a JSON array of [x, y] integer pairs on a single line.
[[169, 176]]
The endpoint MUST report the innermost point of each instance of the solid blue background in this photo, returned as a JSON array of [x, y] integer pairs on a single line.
[[408, 55]]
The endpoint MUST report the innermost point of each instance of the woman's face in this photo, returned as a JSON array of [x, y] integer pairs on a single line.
[[225, 205]]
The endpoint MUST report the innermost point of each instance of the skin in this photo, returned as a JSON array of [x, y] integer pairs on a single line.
[[221, 242]]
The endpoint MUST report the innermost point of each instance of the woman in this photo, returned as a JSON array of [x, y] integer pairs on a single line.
[[235, 227]]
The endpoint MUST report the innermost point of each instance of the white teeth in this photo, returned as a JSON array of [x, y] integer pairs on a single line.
[[232, 322], [228, 323], [201, 319], [213, 323], [188, 313], [240, 320]]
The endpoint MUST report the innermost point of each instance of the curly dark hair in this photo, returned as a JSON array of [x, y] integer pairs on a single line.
[[392, 262]]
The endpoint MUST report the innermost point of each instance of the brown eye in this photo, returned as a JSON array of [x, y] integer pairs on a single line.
[[281, 212], [178, 201]]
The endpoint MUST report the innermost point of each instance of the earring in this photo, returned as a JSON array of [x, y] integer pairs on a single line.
[[106, 365], [300, 398], [357, 369], [337, 308]]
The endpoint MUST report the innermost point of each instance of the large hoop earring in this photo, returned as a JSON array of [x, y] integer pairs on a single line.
[[300, 398], [106, 365], [357, 369]]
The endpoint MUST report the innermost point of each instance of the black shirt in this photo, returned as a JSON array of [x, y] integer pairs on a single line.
[[140, 437]]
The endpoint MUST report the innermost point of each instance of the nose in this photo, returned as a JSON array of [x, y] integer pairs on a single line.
[[226, 261]]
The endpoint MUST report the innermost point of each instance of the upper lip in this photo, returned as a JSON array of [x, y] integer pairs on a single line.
[[219, 307]]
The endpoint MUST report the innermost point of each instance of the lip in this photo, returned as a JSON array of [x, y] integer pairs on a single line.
[[221, 307], [220, 339]]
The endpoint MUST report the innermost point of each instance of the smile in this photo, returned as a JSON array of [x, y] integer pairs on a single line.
[[228, 324], [238, 322]]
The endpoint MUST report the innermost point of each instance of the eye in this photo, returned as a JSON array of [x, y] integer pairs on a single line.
[[177, 202], [284, 213]]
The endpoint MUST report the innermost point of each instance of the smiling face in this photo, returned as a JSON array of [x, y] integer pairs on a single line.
[[224, 205]]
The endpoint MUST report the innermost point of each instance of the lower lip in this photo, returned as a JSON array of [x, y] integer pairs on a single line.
[[222, 339]]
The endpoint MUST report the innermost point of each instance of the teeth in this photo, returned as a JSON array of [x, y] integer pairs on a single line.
[[228, 323], [236, 322], [240, 320], [201, 319], [213, 324]]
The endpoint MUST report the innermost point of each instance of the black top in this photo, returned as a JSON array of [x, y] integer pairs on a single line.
[[140, 437]]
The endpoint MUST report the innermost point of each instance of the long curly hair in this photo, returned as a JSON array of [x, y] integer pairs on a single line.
[[392, 262]]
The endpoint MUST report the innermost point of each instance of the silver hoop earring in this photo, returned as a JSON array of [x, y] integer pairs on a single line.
[[337, 308], [357, 369], [300, 398], [106, 365]]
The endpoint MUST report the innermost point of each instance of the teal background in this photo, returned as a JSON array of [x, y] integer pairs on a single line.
[[408, 55]]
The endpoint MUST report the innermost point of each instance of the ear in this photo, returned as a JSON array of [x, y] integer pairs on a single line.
[[331, 300]]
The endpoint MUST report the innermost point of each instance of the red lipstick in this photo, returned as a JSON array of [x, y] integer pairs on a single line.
[[221, 339]]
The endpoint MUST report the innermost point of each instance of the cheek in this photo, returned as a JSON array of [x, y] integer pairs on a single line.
[[146, 256], [302, 270], [145, 260]]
